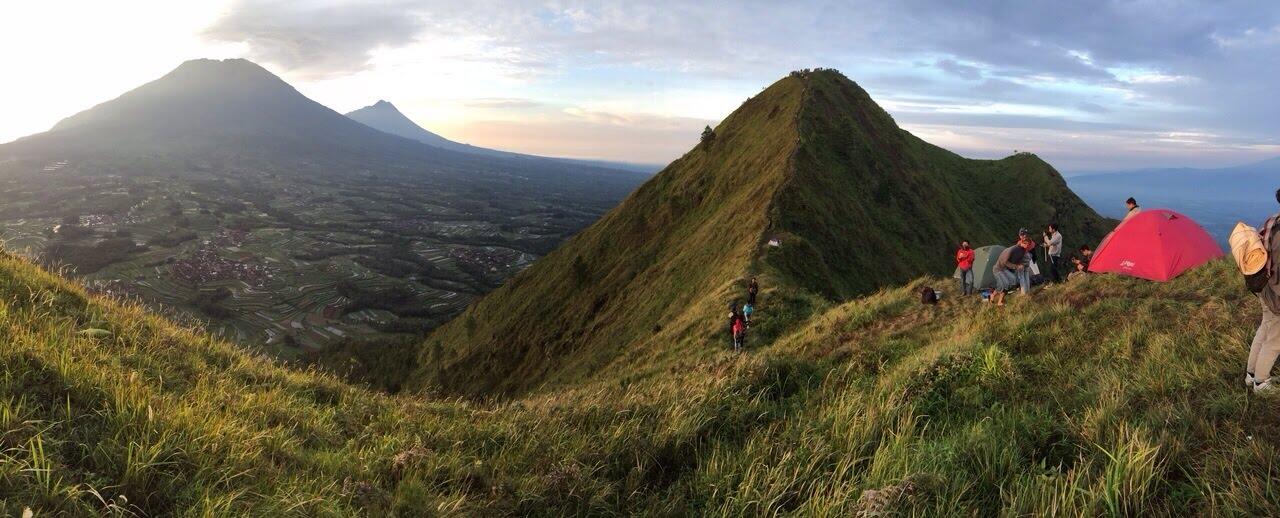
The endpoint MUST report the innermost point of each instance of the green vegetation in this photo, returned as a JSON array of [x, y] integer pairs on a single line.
[[1111, 396], [856, 202]]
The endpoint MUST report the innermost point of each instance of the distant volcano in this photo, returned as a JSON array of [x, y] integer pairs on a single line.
[[236, 109]]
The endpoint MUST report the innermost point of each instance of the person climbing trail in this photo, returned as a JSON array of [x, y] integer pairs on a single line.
[[746, 313], [733, 319], [739, 328], [752, 289]]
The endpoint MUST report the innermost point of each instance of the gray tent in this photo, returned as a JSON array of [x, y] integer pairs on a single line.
[[984, 259]]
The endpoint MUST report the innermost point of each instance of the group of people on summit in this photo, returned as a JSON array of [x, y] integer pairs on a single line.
[[1016, 267]]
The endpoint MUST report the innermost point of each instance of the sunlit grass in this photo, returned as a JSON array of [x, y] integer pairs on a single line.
[[1110, 397]]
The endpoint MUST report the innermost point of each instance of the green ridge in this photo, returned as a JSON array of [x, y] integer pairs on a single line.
[[857, 203]]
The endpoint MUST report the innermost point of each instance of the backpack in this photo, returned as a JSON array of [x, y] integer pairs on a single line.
[[1258, 281], [928, 296]]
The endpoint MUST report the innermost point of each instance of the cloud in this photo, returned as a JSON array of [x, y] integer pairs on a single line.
[[1088, 107], [501, 103], [317, 39], [1163, 65], [957, 69]]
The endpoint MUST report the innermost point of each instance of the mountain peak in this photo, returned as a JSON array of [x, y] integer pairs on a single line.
[[384, 104], [812, 163]]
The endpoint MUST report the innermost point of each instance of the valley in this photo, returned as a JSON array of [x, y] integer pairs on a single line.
[[220, 195], [337, 258]]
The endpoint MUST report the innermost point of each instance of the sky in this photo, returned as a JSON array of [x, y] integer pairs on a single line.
[[1098, 85]]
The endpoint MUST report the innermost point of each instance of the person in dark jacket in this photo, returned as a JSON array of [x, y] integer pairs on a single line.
[[752, 289], [1053, 251]]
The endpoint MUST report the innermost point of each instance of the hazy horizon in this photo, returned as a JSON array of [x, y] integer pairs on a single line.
[[1111, 86]]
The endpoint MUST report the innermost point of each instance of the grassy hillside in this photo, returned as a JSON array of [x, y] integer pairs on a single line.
[[857, 202], [1108, 397]]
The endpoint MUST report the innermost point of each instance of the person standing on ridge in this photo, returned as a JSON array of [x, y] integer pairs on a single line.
[[964, 261], [1266, 342], [752, 289], [1006, 271], [1053, 251], [1134, 209]]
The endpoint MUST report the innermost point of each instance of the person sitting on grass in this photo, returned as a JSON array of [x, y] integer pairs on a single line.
[[1082, 270], [1081, 261], [1006, 272]]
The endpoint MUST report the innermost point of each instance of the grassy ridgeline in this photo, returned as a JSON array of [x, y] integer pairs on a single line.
[[1106, 397], [857, 203]]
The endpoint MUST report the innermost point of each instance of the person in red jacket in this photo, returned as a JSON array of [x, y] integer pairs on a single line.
[[964, 263], [739, 327]]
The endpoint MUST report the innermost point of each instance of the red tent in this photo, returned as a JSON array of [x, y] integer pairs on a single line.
[[1155, 244]]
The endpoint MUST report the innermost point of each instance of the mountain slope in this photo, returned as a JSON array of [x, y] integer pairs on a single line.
[[236, 110], [856, 202], [384, 116], [1095, 398]]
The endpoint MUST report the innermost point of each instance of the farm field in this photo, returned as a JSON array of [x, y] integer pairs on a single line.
[[262, 259]]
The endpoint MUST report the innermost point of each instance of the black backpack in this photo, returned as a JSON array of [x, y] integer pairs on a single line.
[[928, 296]]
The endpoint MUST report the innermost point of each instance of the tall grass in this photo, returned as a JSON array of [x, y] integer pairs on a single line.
[[1109, 397]]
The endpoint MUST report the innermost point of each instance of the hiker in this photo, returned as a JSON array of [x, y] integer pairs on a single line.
[[733, 319], [1134, 209], [1028, 260], [752, 289], [964, 261], [1266, 342], [1086, 254], [1053, 250], [746, 313], [1006, 271], [739, 328]]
